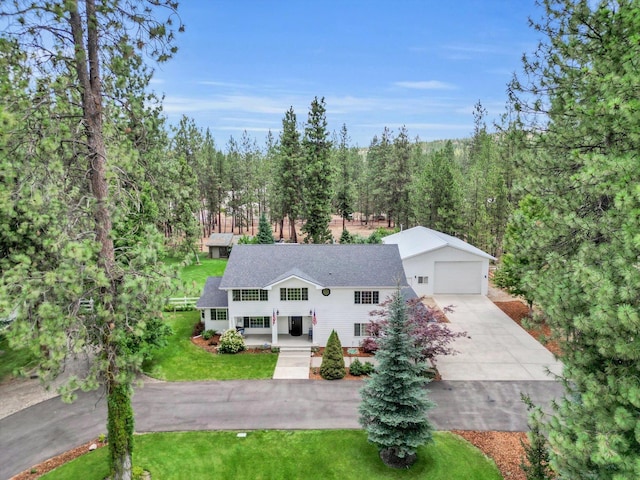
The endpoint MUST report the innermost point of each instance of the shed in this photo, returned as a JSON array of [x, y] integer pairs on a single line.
[[219, 245], [436, 263]]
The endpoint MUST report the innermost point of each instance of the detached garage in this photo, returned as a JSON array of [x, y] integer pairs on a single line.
[[436, 263]]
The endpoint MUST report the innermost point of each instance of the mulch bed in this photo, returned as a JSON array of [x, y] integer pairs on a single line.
[[518, 312], [211, 346], [505, 448], [40, 469], [346, 352]]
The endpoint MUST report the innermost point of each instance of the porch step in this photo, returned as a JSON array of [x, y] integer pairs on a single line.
[[294, 349]]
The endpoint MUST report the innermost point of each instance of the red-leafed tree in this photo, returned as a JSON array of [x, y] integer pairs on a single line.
[[429, 334]]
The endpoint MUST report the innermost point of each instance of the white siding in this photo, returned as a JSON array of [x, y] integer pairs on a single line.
[[336, 311], [423, 265], [217, 325]]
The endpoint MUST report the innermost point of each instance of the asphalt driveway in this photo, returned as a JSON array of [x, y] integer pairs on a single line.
[[51, 427], [498, 350]]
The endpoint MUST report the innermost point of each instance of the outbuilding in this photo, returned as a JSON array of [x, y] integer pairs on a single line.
[[436, 263]]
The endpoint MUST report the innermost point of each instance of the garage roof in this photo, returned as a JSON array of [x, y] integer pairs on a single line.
[[417, 240]]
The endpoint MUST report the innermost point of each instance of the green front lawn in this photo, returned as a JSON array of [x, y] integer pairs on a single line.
[[13, 359], [181, 360], [274, 455]]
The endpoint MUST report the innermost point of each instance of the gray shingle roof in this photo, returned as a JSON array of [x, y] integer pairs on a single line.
[[212, 296], [220, 240], [258, 266]]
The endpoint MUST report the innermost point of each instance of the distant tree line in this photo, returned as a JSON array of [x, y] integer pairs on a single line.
[[461, 187]]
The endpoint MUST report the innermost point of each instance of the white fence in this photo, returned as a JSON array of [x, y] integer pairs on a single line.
[[182, 303]]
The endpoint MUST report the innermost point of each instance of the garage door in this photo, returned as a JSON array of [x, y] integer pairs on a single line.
[[457, 277]]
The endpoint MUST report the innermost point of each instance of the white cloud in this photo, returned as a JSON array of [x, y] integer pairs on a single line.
[[426, 85], [228, 103], [156, 81]]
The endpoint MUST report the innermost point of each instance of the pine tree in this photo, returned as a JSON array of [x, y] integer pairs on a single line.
[[583, 80], [264, 231], [332, 366], [437, 197], [536, 450], [394, 403], [318, 177], [94, 63], [289, 174], [344, 196]]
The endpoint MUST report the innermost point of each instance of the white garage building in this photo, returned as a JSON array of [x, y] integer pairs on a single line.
[[437, 263]]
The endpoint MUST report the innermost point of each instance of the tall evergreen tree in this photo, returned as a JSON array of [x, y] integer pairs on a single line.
[[344, 195], [394, 403], [318, 179], [437, 195], [187, 146], [87, 47], [289, 174], [399, 173], [583, 82], [379, 158]]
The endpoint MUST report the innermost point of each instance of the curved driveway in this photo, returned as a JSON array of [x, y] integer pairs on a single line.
[[52, 427]]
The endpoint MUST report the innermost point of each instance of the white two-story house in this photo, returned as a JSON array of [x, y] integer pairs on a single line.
[[302, 290]]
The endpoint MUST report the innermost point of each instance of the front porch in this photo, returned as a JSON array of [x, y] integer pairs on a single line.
[[284, 340]]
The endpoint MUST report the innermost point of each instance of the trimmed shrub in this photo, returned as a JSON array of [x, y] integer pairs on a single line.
[[332, 367], [369, 345], [231, 342], [358, 368], [208, 334]]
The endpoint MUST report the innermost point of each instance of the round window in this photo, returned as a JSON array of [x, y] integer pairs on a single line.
[[326, 292]]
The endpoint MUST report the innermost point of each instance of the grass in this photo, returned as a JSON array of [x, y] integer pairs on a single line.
[[13, 359], [280, 455], [181, 360], [194, 276]]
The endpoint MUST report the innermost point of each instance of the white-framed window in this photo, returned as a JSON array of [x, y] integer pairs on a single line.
[[424, 280], [250, 295], [366, 297], [256, 322], [219, 314], [360, 329], [294, 294]]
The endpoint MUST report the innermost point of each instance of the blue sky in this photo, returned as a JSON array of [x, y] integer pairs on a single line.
[[424, 64]]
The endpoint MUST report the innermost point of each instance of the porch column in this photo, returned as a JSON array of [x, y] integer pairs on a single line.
[[274, 330]]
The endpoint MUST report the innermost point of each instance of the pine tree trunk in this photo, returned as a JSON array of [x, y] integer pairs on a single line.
[[120, 425], [120, 414]]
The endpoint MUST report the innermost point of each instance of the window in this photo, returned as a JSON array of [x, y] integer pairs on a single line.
[[366, 296], [219, 314], [250, 295], [256, 322], [202, 315], [360, 329], [293, 294], [424, 280]]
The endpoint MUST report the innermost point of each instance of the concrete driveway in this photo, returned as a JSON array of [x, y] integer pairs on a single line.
[[499, 349]]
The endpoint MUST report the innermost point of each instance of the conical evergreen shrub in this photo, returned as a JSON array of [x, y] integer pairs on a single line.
[[332, 367]]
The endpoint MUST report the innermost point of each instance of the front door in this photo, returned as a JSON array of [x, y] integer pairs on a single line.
[[296, 326]]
